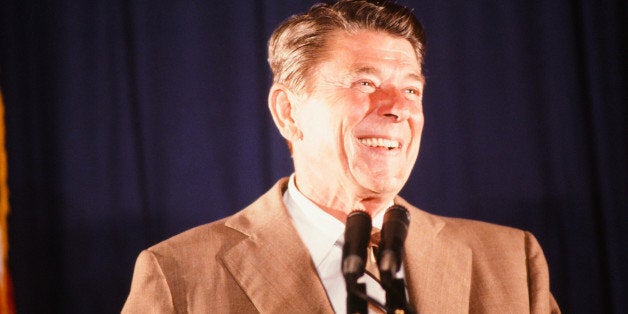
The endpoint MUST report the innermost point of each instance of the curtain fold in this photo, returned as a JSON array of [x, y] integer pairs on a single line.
[[128, 122]]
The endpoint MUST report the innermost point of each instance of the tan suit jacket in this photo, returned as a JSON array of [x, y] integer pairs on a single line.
[[254, 261]]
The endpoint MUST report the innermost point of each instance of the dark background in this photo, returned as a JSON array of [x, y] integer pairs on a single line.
[[131, 121]]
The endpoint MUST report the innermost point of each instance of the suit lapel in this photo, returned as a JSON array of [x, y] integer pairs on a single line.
[[276, 272], [437, 270], [272, 265]]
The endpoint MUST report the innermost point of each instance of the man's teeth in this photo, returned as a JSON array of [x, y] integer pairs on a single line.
[[380, 142]]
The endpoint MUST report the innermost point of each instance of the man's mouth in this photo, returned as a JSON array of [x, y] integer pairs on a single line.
[[379, 142]]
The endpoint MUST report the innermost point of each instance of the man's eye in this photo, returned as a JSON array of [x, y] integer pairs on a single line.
[[413, 91], [366, 86]]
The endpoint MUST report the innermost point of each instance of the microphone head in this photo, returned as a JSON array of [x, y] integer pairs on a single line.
[[357, 237], [398, 219], [393, 236]]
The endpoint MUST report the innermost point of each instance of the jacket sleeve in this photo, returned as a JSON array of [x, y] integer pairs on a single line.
[[150, 292], [541, 299]]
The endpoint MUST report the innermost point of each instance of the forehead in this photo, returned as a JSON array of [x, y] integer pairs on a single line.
[[368, 51]]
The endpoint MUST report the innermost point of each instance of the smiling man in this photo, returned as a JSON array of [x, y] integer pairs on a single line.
[[355, 129], [347, 96]]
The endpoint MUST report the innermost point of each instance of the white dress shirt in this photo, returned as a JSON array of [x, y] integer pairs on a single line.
[[323, 235]]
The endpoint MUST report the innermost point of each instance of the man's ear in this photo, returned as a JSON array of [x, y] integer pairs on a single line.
[[281, 105]]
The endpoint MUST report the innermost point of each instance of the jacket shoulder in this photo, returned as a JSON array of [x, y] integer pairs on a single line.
[[213, 236], [475, 230], [508, 266]]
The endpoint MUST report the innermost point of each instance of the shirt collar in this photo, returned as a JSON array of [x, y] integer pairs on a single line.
[[318, 230]]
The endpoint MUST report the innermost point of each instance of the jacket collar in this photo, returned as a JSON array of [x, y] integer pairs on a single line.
[[275, 270], [272, 265], [437, 268]]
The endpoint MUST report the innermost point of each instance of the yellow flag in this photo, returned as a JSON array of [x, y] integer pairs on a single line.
[[6, 287]]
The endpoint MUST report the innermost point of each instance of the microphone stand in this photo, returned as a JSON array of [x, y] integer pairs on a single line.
[[356, 303], [396, 301], [357, 235], [393, 236]]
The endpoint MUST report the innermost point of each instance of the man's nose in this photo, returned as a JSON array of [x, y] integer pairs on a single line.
[[392, 104]]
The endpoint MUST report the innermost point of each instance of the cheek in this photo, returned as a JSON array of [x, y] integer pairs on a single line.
[[357, 106], [417, 132], [416, 108], [320, 125], [418, 122], [346, 111], [333, 116], [417, 119]]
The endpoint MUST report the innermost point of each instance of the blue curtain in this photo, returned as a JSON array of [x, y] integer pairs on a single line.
[[131, 121]]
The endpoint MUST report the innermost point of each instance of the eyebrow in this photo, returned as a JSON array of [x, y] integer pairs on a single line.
[[367, 69]]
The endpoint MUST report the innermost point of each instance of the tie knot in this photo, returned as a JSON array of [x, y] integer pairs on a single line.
[[375, 237], [372, 254]]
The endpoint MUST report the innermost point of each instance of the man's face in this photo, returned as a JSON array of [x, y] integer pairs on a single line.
[[362, 120]]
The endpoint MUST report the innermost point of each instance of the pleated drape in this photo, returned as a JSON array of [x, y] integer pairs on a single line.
[[130, 121]]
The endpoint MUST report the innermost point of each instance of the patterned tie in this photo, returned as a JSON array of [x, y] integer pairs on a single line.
[[371, 258], [371, 264]]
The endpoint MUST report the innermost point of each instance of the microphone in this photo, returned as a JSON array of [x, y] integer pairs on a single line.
[[393, 235], [357, 237]]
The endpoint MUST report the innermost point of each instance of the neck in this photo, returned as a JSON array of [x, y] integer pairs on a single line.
[[339, 205]]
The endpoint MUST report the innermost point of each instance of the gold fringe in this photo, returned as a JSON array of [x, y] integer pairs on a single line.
[[6, 287]]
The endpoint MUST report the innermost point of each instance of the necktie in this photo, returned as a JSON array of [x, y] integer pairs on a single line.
[[371, 264], [371, 258]]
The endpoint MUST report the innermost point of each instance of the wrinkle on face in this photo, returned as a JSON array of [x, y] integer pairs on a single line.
[[369, 85]]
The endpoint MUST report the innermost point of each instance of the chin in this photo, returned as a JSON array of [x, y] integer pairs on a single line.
[[384, 186], [380, 181]]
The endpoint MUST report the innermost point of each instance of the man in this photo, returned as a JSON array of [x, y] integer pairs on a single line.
[[347, 96]]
